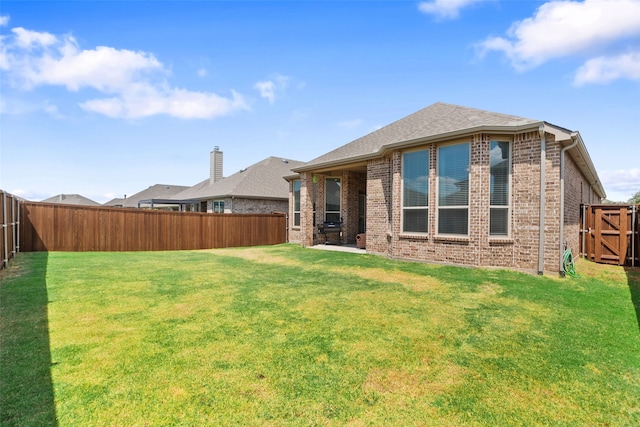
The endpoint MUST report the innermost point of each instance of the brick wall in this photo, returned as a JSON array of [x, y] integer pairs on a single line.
[[242, 205], [378, 205], [519, 250]]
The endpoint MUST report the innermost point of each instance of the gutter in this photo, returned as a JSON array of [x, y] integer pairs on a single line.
[[575, 139], [543, 160]]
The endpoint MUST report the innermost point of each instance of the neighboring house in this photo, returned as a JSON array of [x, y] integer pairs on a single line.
[[260, 188], [118, 202], [151, 197], [71, 199], [452, 184]]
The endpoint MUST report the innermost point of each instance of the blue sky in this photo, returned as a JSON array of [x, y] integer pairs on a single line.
[[108, 98]]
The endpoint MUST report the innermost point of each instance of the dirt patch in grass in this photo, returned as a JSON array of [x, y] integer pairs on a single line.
[[258, 254], [424, 381], [413, 282]]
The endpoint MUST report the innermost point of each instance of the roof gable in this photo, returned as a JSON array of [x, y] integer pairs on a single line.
[[436, 120]]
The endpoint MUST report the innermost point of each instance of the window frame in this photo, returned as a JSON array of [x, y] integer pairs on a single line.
[[296, 194], [333, 212], [216, 205], [425, 207], [439, 186], [508, 206]]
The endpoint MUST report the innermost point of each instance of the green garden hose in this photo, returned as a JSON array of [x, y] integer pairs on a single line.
[[567, 263]]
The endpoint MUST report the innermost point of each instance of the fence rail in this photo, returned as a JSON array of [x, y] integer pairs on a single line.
[[57, 227], [610, 234], [10, 239]]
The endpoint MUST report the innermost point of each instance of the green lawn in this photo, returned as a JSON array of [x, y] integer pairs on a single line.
[[283, 335]]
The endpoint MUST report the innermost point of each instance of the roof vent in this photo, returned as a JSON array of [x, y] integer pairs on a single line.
[[285, 160]]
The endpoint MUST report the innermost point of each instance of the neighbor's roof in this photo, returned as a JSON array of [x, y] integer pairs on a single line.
[[158, 191], [262, 180], [71, 199], [438, 120]]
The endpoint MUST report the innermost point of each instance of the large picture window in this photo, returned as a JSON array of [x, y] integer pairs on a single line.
[[500, 167], [453, 189], [332, 200], [415, 191], [296, 203]]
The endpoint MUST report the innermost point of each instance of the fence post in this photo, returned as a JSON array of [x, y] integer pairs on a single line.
[[18, 204], [634, 234], [5, 231]]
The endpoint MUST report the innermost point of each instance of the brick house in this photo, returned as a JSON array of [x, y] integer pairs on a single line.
[[452, 184], [258, 188]]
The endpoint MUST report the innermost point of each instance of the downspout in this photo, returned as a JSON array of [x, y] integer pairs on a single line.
[[543, 159], [574, 138]]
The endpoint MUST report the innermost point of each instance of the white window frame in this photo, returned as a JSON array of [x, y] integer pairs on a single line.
[[439, 207], [402, 201], [216, 204], [508, 206], [296, 212]]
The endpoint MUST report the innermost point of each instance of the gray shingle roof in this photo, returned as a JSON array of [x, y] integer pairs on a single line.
[[158, 191], [71, 199], [437, 120], [262, 180]]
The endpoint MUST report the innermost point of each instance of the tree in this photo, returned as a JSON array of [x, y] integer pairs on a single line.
[[635, 199]]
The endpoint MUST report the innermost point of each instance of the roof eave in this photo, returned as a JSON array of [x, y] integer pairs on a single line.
[[412, 142]]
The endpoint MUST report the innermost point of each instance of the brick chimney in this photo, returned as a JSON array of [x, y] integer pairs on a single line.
[[215, 165]]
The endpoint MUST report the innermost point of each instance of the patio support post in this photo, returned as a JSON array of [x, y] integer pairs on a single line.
[[306, 209]]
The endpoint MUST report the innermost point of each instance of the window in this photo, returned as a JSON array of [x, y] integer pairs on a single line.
[[218, 206], [500, 166], [332, 200], [296, 203], [415, 191], [453, 189]]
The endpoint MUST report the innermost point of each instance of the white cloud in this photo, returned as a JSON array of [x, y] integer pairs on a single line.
[[135, 82], [32, 39], [269, 88], [605, 69], [444, 9], [565, 28], [146, 101], [620, 184], [4, 20], [202, 72]]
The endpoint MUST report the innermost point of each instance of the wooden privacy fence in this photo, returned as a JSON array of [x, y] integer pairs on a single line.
[[610, 234], [57, 227], [9, 241]]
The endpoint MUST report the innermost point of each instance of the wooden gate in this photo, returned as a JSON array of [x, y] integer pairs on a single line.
[[609, 234]]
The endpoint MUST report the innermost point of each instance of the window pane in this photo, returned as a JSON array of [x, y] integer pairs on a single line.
[[415, 178], [332, 195], [415, 220], [333, 217], [453, 221], [499, 165], [296, 195], [453, 175], [296, 218], [499, 222]]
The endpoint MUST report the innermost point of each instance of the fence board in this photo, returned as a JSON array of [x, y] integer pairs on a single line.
[[611, 234], [57, 227], [10, 231]]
